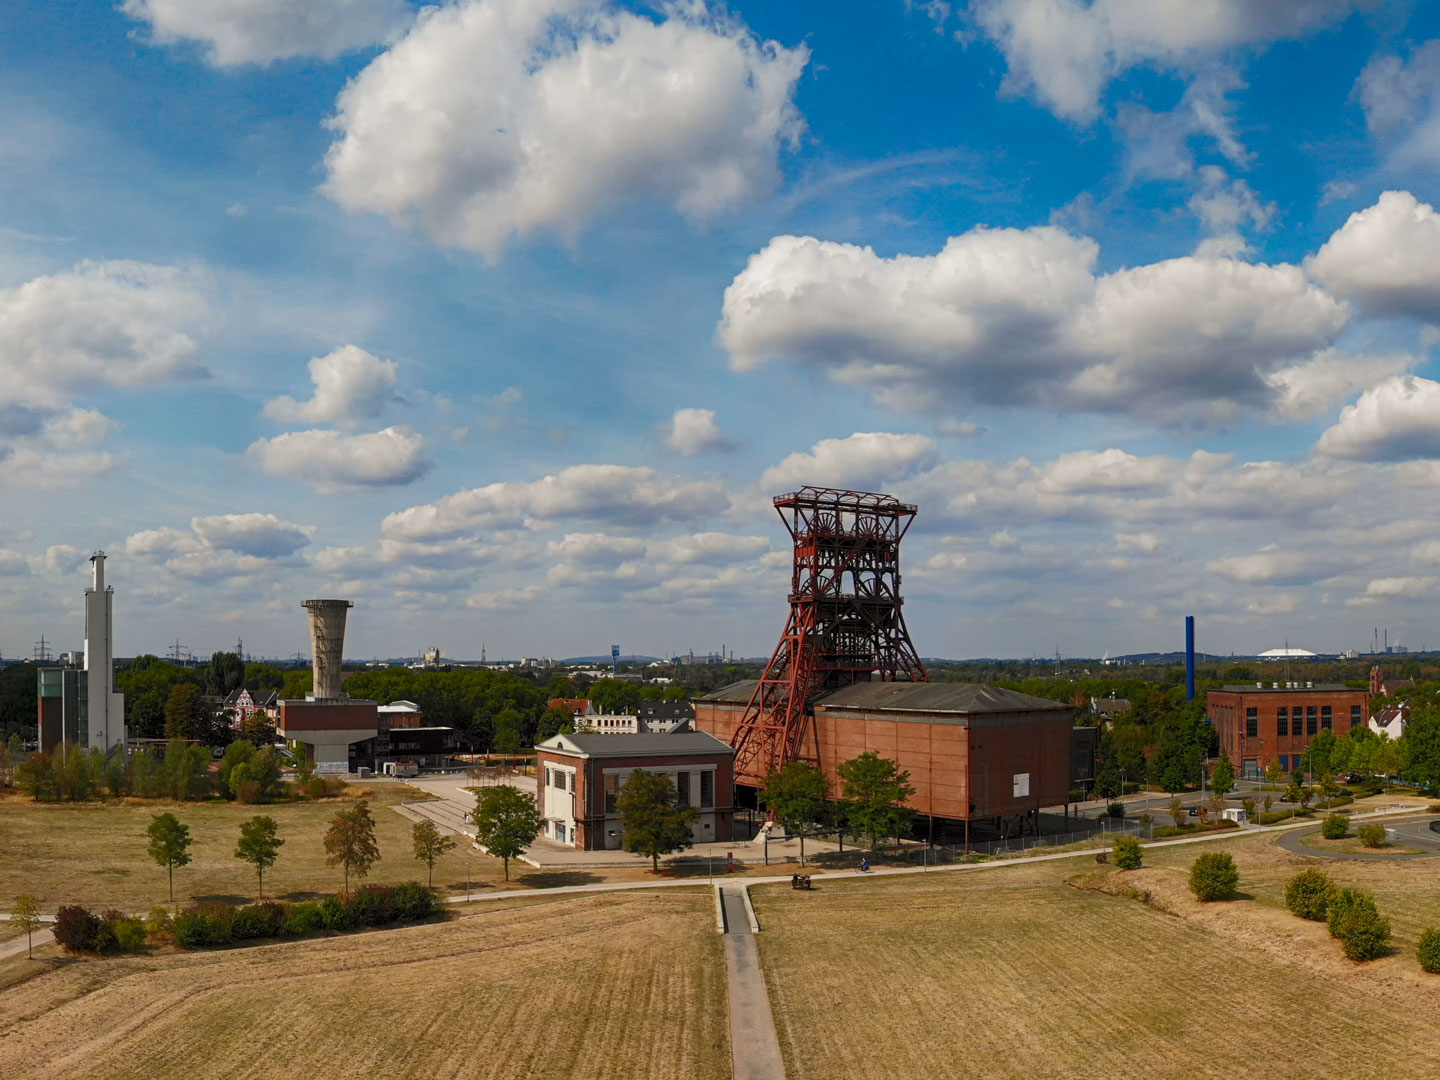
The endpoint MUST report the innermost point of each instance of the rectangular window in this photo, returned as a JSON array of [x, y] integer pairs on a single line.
[[1355, 720], [1284, 762], [612, 792], [1312, 719], [572, 782], [1282, 721], [1327, 719], [682, 788], [707, 789], [1252, 723], [548, 781]]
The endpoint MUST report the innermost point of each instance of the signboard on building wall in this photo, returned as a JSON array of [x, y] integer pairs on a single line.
[[1021, 785]]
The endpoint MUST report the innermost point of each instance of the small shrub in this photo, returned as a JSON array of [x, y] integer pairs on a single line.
[[1355, 921], [1116, 809], [249, 791], [1371, 835], [373, 905], [304, 918], [1308, 895], [1076, 795], [337, 915], [159, 924], [315, 787], [1336, 827], [413, 901], [1428, 951], [1342, 904], [1125, 853], [258, 920], [204, 924], [1213, 876], [1433, 808], [75, 928], [335, 786], [130, 934]]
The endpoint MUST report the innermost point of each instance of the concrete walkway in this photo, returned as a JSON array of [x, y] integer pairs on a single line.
[[754, 1046], [17, 947]]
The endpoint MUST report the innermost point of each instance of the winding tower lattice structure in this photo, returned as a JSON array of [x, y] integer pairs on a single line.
[[845, 624]]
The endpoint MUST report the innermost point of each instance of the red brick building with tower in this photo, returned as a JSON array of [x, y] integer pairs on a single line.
[[1264, 722]]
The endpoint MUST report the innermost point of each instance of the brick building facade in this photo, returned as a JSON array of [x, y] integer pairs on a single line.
[[1264, 722], [972, 751], [579, 778]]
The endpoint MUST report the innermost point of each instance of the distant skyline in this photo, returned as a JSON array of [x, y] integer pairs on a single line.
[[506, 318]]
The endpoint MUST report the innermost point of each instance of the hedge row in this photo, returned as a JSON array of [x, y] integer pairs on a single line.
[[1191, 827], [215, 923]]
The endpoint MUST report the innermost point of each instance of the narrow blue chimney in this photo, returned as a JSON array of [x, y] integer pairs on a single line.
[[1189, 657]]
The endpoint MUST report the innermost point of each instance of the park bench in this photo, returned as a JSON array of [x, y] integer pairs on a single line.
[[800, 881]]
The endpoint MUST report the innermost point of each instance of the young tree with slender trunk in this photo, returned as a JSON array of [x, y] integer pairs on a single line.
[[350, 842], [876, 789], [169, 845], [430, 844], [26, 914], [653, 820], [506, 822], [259, 846], [1222, 780], [797, 794]]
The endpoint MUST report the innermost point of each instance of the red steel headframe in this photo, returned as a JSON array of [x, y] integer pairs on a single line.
[[845, 623]]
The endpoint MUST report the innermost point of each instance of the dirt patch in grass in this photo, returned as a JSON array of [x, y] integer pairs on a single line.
[[1011, 972], [498, 996]]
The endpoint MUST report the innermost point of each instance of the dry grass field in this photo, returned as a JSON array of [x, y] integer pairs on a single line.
[[1032, 971], [545, 989], [94, 853]]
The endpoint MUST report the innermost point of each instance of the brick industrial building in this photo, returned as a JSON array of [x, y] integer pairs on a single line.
[[1264, 722], [579, 778], [972, 751]]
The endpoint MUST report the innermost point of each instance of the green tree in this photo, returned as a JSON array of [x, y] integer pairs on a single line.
[[1335, 827], [554, 721], [1107, 781], [226, 672], [1422, 744], [1213, 876], [350, 842], [1428, 950], [797, 794], [260, 846], [1125, 853], [506, 822], [430, 845], [184, 774], [1319, 753], [1177, 812], [876, 789], [1371, 835], [185, 713], [1172, 776], [653, 820], [508, 737], [1222, 780], [169, 845], [1274, 773], [238, 752], [25, 913]]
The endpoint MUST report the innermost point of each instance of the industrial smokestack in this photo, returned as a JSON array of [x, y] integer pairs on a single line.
[[327, 642], [1189, 657]]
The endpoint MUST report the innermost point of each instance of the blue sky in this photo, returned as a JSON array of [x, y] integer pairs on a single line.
[[506, 318]]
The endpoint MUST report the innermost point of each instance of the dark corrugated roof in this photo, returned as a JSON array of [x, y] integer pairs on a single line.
[[966, 698], [647, 744]]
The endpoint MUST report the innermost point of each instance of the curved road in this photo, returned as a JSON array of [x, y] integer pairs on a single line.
[[1409, 832]]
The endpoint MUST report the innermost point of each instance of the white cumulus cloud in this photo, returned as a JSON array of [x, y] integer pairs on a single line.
[[1387, 256], [259, 31], [1017, 317], [1395, 421], [866, 459], [264, 536], [694, 431], [350, 384], [331, 461], [492, 119], [620, 493], [1064, 52]]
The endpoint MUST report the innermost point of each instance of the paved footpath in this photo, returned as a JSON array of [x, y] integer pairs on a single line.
[[1414, 832], [754, 1046], [17, 947]]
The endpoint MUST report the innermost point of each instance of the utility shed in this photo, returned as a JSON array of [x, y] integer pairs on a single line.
[[972, 750]]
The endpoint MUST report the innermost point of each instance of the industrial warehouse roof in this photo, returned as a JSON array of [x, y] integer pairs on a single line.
[[965, 698], [638, 745], [1289, 688]]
